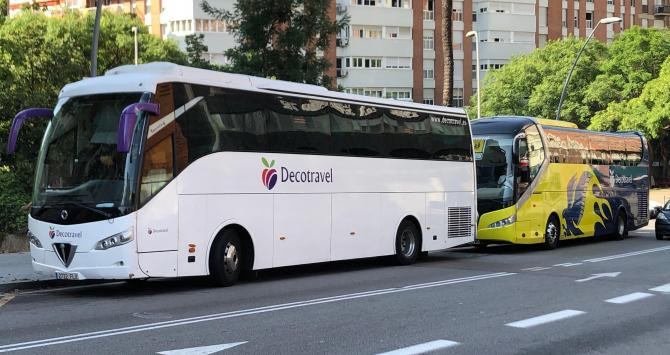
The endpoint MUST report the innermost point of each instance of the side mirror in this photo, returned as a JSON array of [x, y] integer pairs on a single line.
[[18, 122], [127, 123]]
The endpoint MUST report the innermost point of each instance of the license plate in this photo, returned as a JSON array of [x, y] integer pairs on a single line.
[[67, 276]]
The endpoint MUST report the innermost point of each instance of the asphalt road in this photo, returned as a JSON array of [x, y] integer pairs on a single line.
[[504, 300]]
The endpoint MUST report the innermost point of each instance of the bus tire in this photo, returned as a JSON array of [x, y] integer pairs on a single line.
[[552, 233], [620, 228], [407, 243], [226, 259]]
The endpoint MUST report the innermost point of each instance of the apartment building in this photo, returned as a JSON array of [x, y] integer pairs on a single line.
[[147, 10], [393, 48]]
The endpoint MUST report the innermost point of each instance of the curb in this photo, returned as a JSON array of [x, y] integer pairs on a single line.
[[46, 284]]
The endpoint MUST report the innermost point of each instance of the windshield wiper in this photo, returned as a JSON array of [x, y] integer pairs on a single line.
[[81, 205]]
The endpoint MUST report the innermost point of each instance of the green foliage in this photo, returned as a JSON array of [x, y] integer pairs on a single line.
[[38, 56], [531, 84], [280, 39], [13, 198], [634, 58], [195, 48]]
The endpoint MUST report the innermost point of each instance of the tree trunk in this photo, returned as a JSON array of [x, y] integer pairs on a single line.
[[448, 52]]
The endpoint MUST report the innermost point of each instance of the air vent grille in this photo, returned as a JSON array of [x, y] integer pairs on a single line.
[[643, 204], [459, 223]]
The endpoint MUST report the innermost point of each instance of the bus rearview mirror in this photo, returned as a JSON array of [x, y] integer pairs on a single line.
[[18, 121], [127, 123]]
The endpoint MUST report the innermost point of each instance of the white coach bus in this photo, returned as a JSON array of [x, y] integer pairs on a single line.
[[159, 170]]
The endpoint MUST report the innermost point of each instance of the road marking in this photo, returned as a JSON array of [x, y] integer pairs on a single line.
[[663, 288], [202, 350], [547, 318], [631, 297], [598, 276], [625, 255], [536, 268], [568, 264], [6, 298], [240, 313], [422, 348]]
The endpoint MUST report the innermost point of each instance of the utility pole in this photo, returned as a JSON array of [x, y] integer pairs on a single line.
[[96, 33]]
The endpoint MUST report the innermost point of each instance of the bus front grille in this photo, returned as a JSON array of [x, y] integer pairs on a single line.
[[459, 223]]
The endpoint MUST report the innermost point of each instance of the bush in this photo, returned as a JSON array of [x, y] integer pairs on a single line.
[[13, 199]]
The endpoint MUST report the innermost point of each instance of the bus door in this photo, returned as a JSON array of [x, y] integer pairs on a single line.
[[532, 208]]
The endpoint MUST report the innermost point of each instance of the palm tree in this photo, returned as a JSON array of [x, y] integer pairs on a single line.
[[447, 52]]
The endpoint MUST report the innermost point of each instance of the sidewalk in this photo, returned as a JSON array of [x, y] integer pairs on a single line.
[[16, 267]]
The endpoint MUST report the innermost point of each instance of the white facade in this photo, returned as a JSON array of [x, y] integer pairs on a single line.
[[180, 18]]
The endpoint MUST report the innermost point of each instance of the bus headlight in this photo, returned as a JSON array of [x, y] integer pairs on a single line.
[[115, 240], [503, 222], [33, 240]]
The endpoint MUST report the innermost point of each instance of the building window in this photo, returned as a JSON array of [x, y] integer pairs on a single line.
[[392, 32], [429, 101], [428, 74], [576, 14], [589, 20], [398, 63], [610, 2], [398, 94], [429, 10], [483, 10], [457, 15], [458, 97], [474, 16], [428, 42], [564, 18], [366, 2], [359, 62]]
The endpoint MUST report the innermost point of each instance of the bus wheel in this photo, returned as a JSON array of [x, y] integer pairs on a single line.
[[407, 243], [552, 233], [226, 259], [621, 231]]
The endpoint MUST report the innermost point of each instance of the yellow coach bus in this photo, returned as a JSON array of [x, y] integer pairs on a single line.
[[541, 181]]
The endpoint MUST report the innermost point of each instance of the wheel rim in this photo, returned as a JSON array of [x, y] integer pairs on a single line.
[[551, 233], [231, 258], [407, 243], [620, 226]]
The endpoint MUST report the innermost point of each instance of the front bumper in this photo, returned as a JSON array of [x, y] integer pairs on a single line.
[[119, 263], [662, 227]]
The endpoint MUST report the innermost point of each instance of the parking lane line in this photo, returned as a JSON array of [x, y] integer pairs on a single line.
[[631, 297], [239, 313], [423, 348], [568, 264], [547, 318], [536, 268], [663, 288]]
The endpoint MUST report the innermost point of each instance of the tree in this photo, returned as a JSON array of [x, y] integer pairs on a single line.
[[38, 56], [531, 84], [448, 52], [648, 113], [634, 58], [4, 9], [195, 50], [281, 39]]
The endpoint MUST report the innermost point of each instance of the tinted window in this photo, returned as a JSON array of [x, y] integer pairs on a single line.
[[212, 119]]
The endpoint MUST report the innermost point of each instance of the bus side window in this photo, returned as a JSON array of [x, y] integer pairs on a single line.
[[158, 169], [535, 151]]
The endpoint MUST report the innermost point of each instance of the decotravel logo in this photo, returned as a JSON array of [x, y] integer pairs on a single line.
[[270, 175], [53, 233]]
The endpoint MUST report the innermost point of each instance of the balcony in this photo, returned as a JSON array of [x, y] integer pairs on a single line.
[[662, 10]]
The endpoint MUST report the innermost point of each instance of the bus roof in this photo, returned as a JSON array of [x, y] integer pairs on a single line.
[[145, 78], [513, 124]]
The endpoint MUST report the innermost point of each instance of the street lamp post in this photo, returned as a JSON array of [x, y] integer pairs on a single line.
[[479, 101], [607, 21], [135, 33]]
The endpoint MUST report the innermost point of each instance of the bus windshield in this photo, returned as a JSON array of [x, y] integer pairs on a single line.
[[78, 161], [495, 172]]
